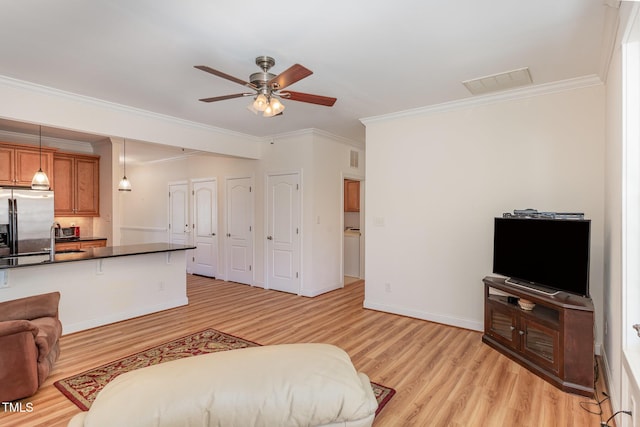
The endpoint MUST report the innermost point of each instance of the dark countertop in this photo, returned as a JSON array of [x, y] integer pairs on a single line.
[[90, 253], [78, 239]]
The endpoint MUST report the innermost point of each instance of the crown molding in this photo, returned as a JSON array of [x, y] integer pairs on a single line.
[[510, 95], [48, 141], [46, 90]]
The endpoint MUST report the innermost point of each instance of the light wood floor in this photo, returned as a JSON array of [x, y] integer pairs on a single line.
[[444, 376]]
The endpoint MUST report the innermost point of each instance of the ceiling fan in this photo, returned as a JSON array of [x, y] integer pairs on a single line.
[[268, 87]]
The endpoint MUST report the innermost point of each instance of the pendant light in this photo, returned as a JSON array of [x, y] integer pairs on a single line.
[[40, 180], [124, 185]]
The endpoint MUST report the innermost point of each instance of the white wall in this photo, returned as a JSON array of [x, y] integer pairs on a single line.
[[322, 160], [612, 299], [31, 103], [622, 383], [436, 180], [102, 291], [103, 226]]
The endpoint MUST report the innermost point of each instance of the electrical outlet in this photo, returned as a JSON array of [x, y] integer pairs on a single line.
[[387, 287], [161, 286]]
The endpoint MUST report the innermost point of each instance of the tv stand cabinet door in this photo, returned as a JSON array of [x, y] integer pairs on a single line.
[[541, 344], [501, 324]]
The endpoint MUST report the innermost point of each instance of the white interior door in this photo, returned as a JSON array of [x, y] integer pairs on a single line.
[[178, 214], [283, 232], [205, 228], [239, 238]]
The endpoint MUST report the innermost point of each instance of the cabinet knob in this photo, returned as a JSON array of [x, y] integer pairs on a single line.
[[512, 327], [269, 238], [521, 332]]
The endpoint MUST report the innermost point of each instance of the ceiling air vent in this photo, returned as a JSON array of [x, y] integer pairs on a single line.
[[497, 82], [353, 159]]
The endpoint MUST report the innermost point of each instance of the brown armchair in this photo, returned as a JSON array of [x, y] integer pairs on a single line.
[[29, 347]]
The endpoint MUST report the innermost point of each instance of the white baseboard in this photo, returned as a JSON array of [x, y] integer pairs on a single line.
[[123, 315], [605, 369], [315, 292], [471, 324]]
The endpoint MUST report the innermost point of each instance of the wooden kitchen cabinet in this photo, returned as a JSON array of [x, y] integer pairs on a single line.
[[77, 178], [81, 244], [101, 243], [19, 162], [351, 195], [67, 246]]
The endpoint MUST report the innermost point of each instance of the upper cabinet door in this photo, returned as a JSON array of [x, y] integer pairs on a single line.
[[19, 163], [351, 196], [63, 189], [7, 165], [28, 162], [77, 179], [87, 186]]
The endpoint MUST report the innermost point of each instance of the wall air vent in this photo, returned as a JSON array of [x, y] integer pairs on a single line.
[[353, 159], [497, 82]]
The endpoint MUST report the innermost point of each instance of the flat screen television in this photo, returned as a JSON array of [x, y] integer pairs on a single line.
[[548, 255]]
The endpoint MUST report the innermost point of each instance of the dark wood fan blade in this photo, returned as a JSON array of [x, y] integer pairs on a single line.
[[223, 97], [224, 76], [307, 97], [289, 76]]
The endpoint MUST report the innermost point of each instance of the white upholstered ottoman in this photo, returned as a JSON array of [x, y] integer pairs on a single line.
[[280, 385]]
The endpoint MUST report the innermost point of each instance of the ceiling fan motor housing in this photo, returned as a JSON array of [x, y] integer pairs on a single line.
[[261, 79]]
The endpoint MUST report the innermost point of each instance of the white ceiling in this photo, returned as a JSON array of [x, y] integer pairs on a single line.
[[376, 57]]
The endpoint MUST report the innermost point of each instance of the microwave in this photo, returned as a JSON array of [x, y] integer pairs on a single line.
[[69, 232]]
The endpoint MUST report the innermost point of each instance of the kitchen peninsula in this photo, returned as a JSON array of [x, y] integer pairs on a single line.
[[101, 285]]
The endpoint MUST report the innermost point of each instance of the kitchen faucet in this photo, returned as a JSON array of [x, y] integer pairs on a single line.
[[52, 234]]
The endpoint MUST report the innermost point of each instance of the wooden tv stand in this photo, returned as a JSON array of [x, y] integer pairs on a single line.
[[554, 340]]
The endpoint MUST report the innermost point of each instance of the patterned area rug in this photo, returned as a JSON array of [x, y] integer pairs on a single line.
[[82, 388]]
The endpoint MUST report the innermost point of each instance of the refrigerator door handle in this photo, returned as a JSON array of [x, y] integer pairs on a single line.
[[13, 226]]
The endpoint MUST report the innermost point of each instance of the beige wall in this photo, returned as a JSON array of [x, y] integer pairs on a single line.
[[612, 297], [620, 362], [322, 161], [436, 180]]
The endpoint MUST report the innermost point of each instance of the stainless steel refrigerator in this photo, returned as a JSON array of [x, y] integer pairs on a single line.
[[26, 217]]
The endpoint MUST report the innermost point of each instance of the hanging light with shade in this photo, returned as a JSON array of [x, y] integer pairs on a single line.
[[124, 185], [40, 180]]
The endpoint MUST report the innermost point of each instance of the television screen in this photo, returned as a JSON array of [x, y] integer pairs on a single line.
[[553, 253]]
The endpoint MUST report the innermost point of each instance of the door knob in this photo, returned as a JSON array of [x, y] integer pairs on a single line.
[[269, 238]]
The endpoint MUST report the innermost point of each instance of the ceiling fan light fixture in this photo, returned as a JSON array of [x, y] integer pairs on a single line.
[[277, 106], [267, 85], [268, 112], [261, 102]]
